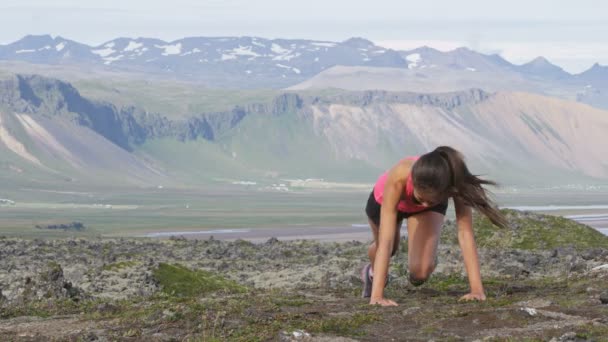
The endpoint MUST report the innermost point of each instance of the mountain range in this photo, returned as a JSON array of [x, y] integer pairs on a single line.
[[50, 133], [218, 62], [259, 63], [253, 62]]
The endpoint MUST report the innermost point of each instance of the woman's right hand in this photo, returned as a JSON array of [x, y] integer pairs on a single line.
[[383, 302]]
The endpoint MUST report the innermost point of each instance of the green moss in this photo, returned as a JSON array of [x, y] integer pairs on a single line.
[[179, 281], [295, 302], [343, 326], [569, 302], [501, 301], [592, 332], [429, 329], [400, 267], [53, 272], [442, 282], [119, 265], [536, 232], [48, 308]]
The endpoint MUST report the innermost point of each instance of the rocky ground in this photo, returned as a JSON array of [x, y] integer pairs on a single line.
[[546, 279]]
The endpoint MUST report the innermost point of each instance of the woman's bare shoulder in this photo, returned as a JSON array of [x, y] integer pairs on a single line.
[[401, 170]]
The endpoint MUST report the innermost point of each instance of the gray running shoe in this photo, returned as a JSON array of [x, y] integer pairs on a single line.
[[367, 281]]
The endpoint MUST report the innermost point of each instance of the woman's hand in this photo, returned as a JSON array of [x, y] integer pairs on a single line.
[[473, 296], [383, 302]]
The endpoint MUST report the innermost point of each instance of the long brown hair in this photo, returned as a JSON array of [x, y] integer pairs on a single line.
[[444, 171]]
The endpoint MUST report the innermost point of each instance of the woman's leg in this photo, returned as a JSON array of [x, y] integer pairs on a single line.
[[423, 231], [367, 271]]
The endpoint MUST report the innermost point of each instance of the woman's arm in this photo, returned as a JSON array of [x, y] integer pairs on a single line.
[[466, 239], [393, 189]]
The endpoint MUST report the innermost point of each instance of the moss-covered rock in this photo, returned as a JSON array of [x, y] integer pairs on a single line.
[[530, 231], [119, 265], [179, 281]]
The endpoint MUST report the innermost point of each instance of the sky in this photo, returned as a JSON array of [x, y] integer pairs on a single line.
[[571, 34]]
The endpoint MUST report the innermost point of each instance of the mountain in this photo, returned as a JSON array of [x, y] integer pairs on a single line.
[[542, 68], [49, 129], [504, 134], [237, 62], [458, 59], [434, 78], [48, 50], [596, 76], [257, 63], [538, 76], [49, 133]]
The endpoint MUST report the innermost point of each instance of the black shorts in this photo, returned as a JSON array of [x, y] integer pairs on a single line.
[[372, 209]]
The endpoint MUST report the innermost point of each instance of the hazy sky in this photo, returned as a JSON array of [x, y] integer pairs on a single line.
[[572, 34]]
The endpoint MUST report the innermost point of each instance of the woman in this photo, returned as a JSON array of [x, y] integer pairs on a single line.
[[418, 189]]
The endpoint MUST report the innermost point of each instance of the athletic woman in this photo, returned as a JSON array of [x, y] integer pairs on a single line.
[[417, 189]]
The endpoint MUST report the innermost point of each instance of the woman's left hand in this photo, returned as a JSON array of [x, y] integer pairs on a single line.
[[473, 296]]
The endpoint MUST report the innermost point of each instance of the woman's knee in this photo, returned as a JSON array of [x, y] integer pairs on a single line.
[[419, 275], [416, 281]]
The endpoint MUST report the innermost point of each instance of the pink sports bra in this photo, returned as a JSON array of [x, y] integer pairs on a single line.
[[406, 205]]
